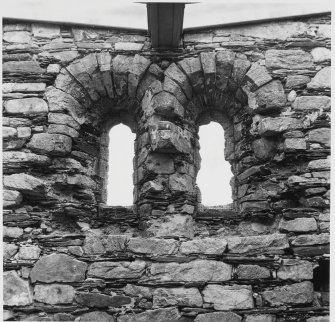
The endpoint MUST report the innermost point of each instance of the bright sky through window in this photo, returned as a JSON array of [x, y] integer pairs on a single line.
[[215, 174], [120, 172]]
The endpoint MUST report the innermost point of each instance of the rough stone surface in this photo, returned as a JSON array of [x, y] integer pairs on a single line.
[[16, 291], [271, 126], [261, 318], [306, 103], [320, 54], [58, 268], [53, 144], [288, 59], [9, 250], [229, 297], [153, 246], [298, 225], [252, 272], [26, 106], [218, 317], [321, 135], [207, 246], [25, 183], [296, 270], [95, 316], [101, 300], [310, 240], [29, 252], [166, 315], [321, 80], [54, 293]]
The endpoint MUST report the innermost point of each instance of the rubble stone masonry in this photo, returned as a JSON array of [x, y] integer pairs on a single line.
[[70, 257]]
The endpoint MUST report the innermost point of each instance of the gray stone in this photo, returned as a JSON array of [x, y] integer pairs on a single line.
[[45, 30], [274, 125], [166, 315], [270, 95], [23, 87], [22, 67], [9, 250], [192, 67], [119, 270], [26, 106], [299, 293], [208, 64], [189, 297], [240, 68], [137, 70], [272, 244], [205, 246], [294, 144], [153, 246], [258, 75], [320, 54], [18, 159], [318, 319], [173, 226], [321, 135], [63, 129], [12, 232], [11, 198], [218, 317], [128, 46], [174, 73], [230, 297], [53, 144], [321, 80], [195, 271], [181, 183], [54, 293], [252, 272], [311, 240], [115, 243], [16, 291], [260, 318], [25, 183], [298, 225], [64, 119], [295, 269], [140, 291], [8, 132], [318, 165], [307, 103], [170, 86], [58, 268], [23, 132], [198, 37], [17, 37], [264, 148], [95, 316], [165, 104], [93, 245], [101, 300], [160, 163], [297, 81], [29, 252], [224, 67], [288, 59]]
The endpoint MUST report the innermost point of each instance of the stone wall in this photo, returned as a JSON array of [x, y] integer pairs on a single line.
[[70, 257]]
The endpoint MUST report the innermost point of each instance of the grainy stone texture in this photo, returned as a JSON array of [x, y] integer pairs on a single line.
[[54, 293], [16, 291], [218, 317]]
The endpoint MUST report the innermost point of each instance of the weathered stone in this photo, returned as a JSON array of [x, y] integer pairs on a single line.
[[45, 30], [208, 63], [101, 300], [8, 132], [18, 159], [27, 106], [180, 78], [54, 293], [23, 132], [9, 250], [93, 245], [240, 68], [270, 95], [58, 268], [321, 135], [25, 183], [198, 37], [258, 75], [115, 243], [311, 240], [230, 297], [190, 297], [166, 315], [320, 54], [16, 291], [64, 119], [252, 272], [12, 232], [224, 67], [29, 252], [139, 66], [299, 293], [22, 67], [165, 104], [218, 317], [62, 129], [321, 80], [288, 59], [206, 246], [17, 36], [170, 86], [173, 226], [321, 164], [195, 271], [140, 291], [297, 81], [121, 65], [264, 148], [180, 183], [153, 246], [296, 270], [128, 46], [274, 125], [95, 316], [118, 270], [192, 68], [294, 144], [298, 225], [318, 319], [307, 103], [273, 244], [53, 144], [160, 163], [11, 198], [23, 87], [261, 318]]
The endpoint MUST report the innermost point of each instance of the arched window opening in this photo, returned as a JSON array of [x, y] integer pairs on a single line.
[[120, 166], [214, 174]]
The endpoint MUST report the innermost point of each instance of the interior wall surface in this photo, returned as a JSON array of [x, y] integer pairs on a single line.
[[70, 257]]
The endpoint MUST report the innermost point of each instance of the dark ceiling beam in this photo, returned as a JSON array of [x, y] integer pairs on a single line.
[[165, 23]]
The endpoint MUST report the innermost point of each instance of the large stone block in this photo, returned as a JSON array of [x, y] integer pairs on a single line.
[[270, 126], [218, 317], [321, 80], [224, 67], [321, 135], [18, 159], [311, 240], [208, 64], [139, 291], [272, 244], [195, 271], [204, 246], [230, 297], [23, 87], [240, 68], [17, 37], [308, 103], [9, 250], [101, 300], [258, 75], [26, 184], [62, 129], [53, 144], [16, 291], [295, 269], [11, 198], [22, 67], [63, 119], [165, 104], [319, 165], [153, 246], [190, 297], [26, 106], [252, 272], [299, 293], [296, 81], [29, 252], [318, 319], [117, 270], [192, 68], [95, 316], [320, 54], [302, 225], [260, 318], [288, 59], [180, 78], [181, 183], [269, 96], [54, 293], [166, 315], [58, 268], [45, 30]]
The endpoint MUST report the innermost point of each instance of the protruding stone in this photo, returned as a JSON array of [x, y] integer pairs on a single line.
[[166, 315], [54, 293], [319, 165], [269, 96], [62, 129], [26, 106], [288, 59], [192, 68], [230, 297], [300, 293], [23, 37], [204, 246], [180, 183], [53, 144], [258, 75], [58, 268], [189, 297], [294, 144], [180, 78], [294, 269], [307, 103], [153, 246], [128, 46], [23, 87], [218, 317], [16, 291], [321, 80], [11, 198], [25, 183], [320, 54], [64, 119], [274, 125]]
